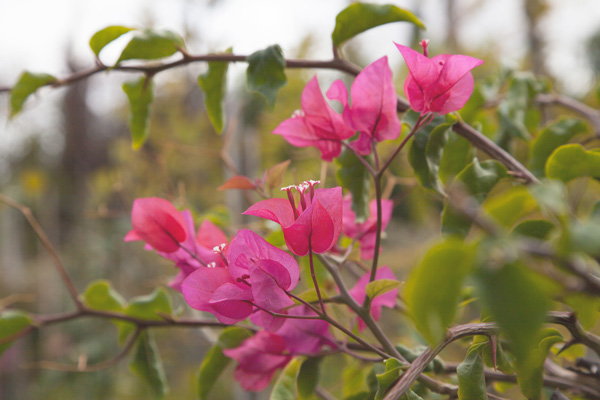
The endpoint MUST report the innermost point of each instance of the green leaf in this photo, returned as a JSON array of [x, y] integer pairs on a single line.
[[100, 295], [586, 308], [308, 377], [151, 45], [536, 228], [214, 85], [583, 237], [381, 286], [393, 368], [27, 84], [551, 196], [436, 365], [573, 161], [147, 365], [530, 371], [266, 73], [504, 360], [424, 157], [215, 361], [458, 153], [140, 94], [511, 206], [11, 323], [105, 36], [353, 176], [433, 289], [552, 137], [148, 307], [471, 376], [359, 17], [285, 386], [516, 301], [477, 179]]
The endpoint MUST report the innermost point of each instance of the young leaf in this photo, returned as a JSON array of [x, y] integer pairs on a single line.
[[477, 179], [511, 206], [308, 377], [214, 85], [530, 371], [285, 386], [433, 289], [552, 137], [381, 286], [353, 176], [393, 369], [11, 323], [215, 361], [147, 365], [238, 182], [509, 288], [471, 377], [27, 84], [573, 161], [359, 17], [266, 73], [273, 177], [151, 45], [140, 94], [105, 36]]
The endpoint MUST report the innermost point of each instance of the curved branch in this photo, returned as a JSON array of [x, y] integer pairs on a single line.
[[591, 114]]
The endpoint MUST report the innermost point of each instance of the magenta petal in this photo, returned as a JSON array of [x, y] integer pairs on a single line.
[[210, 236], [455, 98], [267, 292], [297, 132], [453, 69], [276, 210], [267, 321], [327, 216], [297, 235], [338, 91], [158, 223], [422, 69], [388, 299]]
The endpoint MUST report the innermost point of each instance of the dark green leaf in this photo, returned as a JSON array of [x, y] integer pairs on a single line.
[[471, 377], [285, 386], [433, 289], [552, 137], [266, 73], [458, 153], [573, 161], [105, 36], [27, 84], [504, 360], [359, 17], [140, 94], [424, 157], [536, 228], [11, 323], [381, 286], [150, 45], [516, 301], [477, 179], [148, 307], [411, 354], [214, 85], [308, 377], [147, 365], [530, 370], [354, 177], [215, 361]]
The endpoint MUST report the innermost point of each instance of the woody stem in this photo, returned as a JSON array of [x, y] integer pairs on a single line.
[[314, 277]]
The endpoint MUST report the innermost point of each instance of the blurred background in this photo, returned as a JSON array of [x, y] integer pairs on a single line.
[[68, 155]]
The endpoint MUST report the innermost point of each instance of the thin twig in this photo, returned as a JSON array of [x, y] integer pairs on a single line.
[[591, 114]]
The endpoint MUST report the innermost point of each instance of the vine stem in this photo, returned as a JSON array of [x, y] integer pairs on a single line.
[[314, 276]]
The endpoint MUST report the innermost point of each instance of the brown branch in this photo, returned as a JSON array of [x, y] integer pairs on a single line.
[[26, 211], [580, 335], [591, 114]]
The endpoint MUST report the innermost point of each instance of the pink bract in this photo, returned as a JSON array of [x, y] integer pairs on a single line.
[[317, 124], [305, 336], [157, 222], [388, 299], [317, 225], [366, 231], [373, 110], [441, 84], [258, 358]]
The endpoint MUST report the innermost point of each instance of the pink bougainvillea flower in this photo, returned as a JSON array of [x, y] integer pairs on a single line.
[[441, 84], [373, 110], [317, 124], [267, 270], [258, 358], [315, 225], [157, 222], [305, 336], [366, 231], [214, 290], [388, 299]]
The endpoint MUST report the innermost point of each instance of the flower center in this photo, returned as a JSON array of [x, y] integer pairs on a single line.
[[307, 192]]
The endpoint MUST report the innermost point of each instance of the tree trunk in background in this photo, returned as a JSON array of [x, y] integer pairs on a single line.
[[534, 12]]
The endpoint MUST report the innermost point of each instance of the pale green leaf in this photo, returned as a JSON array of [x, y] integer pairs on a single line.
[[285, 386], [214, 85], [140, 94], [11, 323], [105, 36], [381, 286], [573, 161], [152, 44], [27, 84]]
